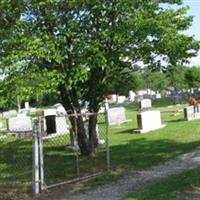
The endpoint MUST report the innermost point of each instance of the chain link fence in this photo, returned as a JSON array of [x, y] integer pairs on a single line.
[[15, 154], [61, 156], [43, 152]]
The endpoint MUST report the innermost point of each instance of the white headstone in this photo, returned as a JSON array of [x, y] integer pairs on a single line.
[[60, 110], [148, 121], [116, 116], [9, 114], [20, 124], [121, 99], [50, 112], [27, 106], [112, 98], [145, 104], [158, 96], [132, 96]]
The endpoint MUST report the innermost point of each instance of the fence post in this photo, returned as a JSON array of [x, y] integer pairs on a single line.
[[76, 144], [107, 141], [35, 165], [41, 158]]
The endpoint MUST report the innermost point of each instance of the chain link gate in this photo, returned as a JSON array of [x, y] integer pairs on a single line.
[[15, 157], [57, 156]]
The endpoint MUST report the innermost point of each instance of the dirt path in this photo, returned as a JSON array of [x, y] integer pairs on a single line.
[[130, 184]]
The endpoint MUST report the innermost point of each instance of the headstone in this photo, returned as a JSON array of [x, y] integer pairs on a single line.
[[149, 121], [9, 114], [27, 106], [60, 110], [192, 113], [54, 122], [132, 96], [20, 124], [116, 116], [121, 99], [49, 112], [145, 104], [158, 96], [112, 98]]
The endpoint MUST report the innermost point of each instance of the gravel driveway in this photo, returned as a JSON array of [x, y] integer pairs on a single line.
[[133, 183]]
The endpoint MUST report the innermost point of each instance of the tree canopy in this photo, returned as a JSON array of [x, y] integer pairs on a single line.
[[73, 45], [192, 76]]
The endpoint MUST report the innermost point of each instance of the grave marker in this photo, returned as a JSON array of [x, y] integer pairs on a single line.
[[116, 116], [148, 121], [145, 104]]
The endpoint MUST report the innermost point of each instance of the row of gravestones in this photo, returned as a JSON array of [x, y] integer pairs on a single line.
[[147, 120], [21, 122], [192, 112], [54, 123]]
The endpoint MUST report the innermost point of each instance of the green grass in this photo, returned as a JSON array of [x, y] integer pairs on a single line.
[[140, 151], [171, 188], [129, 151]]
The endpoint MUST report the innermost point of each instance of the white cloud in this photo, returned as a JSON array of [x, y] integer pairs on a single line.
[[195, 61]]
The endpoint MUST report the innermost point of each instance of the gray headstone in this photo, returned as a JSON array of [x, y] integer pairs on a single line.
[[145, 104], [148, 121], [20, 124], [116, 116]]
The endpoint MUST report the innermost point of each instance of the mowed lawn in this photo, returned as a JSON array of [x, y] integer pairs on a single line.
[[140, 151], [173, 188], [129, 151]]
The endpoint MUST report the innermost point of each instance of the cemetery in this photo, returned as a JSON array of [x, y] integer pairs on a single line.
[[99, 100], [165, 136]]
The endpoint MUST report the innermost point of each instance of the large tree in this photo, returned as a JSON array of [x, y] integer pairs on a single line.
[[176, 77], [155, 80], [75, 44], [192, 76]]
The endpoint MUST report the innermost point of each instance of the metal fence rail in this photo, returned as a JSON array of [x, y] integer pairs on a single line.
[[62, 160], [48, 154]]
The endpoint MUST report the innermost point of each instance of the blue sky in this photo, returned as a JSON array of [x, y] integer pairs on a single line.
[[194, 11], [195, 29]]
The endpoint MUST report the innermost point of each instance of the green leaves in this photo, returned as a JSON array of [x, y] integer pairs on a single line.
[[81, 44], [193, 77]]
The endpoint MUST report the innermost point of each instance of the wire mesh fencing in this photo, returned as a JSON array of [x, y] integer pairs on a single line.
[[73, 147], [15, 153], [46, 151]]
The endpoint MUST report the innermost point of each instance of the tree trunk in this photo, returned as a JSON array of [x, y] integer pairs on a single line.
[[71, 104], [93, 138]]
